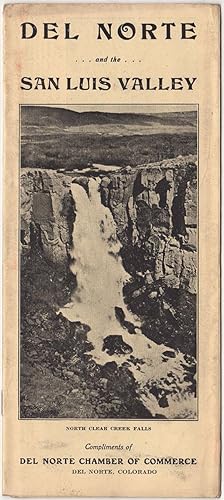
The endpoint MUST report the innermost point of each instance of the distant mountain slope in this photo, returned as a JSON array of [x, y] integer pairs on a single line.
[[43, 116], [61, 138]]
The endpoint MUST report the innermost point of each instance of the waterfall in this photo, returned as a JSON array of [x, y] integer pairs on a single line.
[[100, 276], [98, 269]]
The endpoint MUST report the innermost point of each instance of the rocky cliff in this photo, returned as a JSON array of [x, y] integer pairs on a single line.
[[154, 207]]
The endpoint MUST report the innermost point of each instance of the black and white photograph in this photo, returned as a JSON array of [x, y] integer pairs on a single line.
[[108, 262]]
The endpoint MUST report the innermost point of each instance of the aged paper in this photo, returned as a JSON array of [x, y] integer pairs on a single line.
[[111, 250]]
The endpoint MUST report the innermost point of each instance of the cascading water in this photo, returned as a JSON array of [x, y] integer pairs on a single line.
[[100, 279]]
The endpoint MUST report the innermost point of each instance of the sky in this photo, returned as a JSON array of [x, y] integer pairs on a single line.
[[129, 108]]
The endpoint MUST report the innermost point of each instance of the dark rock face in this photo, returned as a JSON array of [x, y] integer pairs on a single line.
[[155, 211], [114, 344], [47, 213]]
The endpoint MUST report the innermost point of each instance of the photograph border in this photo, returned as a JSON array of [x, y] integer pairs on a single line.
[[106, 419]]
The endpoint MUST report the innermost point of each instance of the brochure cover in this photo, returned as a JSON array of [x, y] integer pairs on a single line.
[[111, 250]]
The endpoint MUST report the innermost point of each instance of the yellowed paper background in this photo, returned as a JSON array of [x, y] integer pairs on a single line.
[[200, 58]]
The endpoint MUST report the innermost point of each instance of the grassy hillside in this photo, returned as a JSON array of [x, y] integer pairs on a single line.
[[60, 138], [48, 116]]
